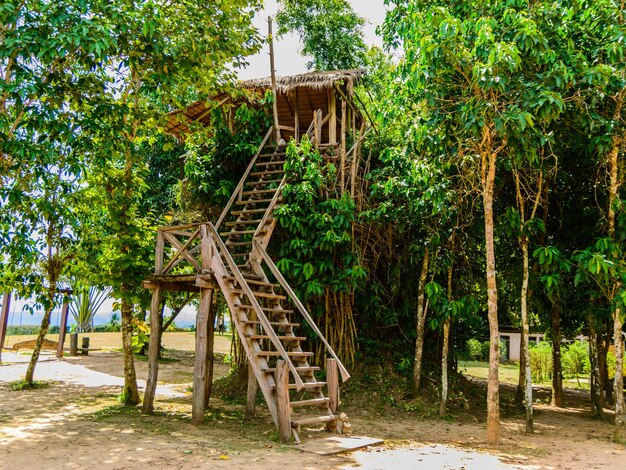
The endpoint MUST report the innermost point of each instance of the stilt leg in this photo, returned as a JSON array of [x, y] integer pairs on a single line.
[[153, 351], [200, 366], [253, 386], [210, 356]]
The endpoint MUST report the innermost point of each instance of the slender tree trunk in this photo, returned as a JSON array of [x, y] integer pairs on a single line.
[[528, 381], [596, 392], [444, 351], [420, 326], [557, 398], [43, 331], [521, 383], [603, 351], [493, 384], [130, 394]]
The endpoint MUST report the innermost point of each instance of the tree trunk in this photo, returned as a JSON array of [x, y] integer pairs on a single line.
[[603, 351], [620, 427], [528, 381], [493, 384], [43, 331], [444, 352], [420, 326], [557, 398], [596, 392], [130, 394]]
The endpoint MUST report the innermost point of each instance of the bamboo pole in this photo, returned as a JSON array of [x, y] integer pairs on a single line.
[[342, 150], [332, 125], [296, 118], [273, 74]]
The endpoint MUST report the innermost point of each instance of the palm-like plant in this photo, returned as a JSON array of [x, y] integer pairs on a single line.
[[85, 304]]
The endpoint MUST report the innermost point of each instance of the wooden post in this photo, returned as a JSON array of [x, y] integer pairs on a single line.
[[74, 344], [282, 400], [84, 347], [153, 350], [253, 386], [332, 123], [296, 119], [342, 150], [4, 319], [63, 328], [200, 365], [355, 160], [316, 130], [208, 385], [273, 75], [160, 246], [332, 381]]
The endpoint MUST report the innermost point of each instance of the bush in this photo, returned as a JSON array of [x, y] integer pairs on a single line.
[[21, 330], [575, 359], [486, 347], [541, 361], [474, 349]]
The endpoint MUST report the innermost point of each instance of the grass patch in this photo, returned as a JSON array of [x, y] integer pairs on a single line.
[[21, 385], [508, 373]]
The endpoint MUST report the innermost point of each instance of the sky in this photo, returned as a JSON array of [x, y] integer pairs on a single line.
[[288, 61]]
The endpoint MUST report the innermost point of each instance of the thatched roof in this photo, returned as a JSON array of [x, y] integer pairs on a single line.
[[179, 120], [311, 80]]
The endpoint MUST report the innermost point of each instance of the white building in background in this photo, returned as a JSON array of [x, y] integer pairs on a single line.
[[511, 340]]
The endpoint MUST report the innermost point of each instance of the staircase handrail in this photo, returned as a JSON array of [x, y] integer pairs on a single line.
[[242, 181], [345, 375], [223, 252]]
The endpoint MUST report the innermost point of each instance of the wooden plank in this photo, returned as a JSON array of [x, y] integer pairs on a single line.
[[314, 420], [332, 379], [200, 365], [296, 119], [160, 248], [170, 286], [182, 250], [176, 244], [282, 401], [153, 351], [4, 319], [342, 148], [63, 327], [251, 393], [311, 402], [208, 384], [332, 123], [355, 160]]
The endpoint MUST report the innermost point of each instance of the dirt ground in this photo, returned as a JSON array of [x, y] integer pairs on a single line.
[[76, 422]]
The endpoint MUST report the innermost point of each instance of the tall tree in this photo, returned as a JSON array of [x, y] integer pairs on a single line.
[[330, 31]]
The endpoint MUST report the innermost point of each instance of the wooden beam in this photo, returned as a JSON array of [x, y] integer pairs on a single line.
[[342, 151], [273, 77], [200, 365], [153, 351], [282, 401], [208, 384], [332, 382], [355, 160], [332, 125], [160, 248], [4, 319], [170, 286], [63, 327], [296, 118]]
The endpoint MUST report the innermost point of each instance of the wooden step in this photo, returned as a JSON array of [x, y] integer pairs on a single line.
[[277, 154], [282, 338], [270, 163], [311, 402], [268, 172], [262, 181], [265, 295], [244, 222], [273, 323], [249, 211], [313, 420], [253, 201], [256, 281], [271, 370], [268, 310], [290, 354], [259, 191], [235, 233], [231, 243], [307, 385]]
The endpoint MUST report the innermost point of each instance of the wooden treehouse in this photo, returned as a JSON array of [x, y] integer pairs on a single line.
[[230, 254]]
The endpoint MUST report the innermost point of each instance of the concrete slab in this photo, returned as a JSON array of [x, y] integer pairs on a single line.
[[337, 444]]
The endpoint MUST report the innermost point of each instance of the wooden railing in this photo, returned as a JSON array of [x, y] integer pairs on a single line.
[[221, 251], [301, 308], [239, 189], [184, 251]]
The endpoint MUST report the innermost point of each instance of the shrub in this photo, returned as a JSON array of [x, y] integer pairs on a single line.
[[575, 359], [474, 349], [541, 361], [486, 346]]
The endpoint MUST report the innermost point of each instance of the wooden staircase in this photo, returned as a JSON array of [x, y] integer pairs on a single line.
[[266, 312]]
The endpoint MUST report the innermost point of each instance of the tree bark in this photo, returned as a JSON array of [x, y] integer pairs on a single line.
[[596, 392], [444, 351], [43, 331], [130, 394], [488, 175], [420, 326], [557, 398], [528, 381]]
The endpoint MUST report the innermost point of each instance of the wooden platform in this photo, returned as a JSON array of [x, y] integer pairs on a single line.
[[181, 282]]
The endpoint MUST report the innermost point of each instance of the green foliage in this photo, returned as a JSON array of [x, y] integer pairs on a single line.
[[141, 337], [474, 349], [318, 254], [330, 31], [575, 359], [541, 361]]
